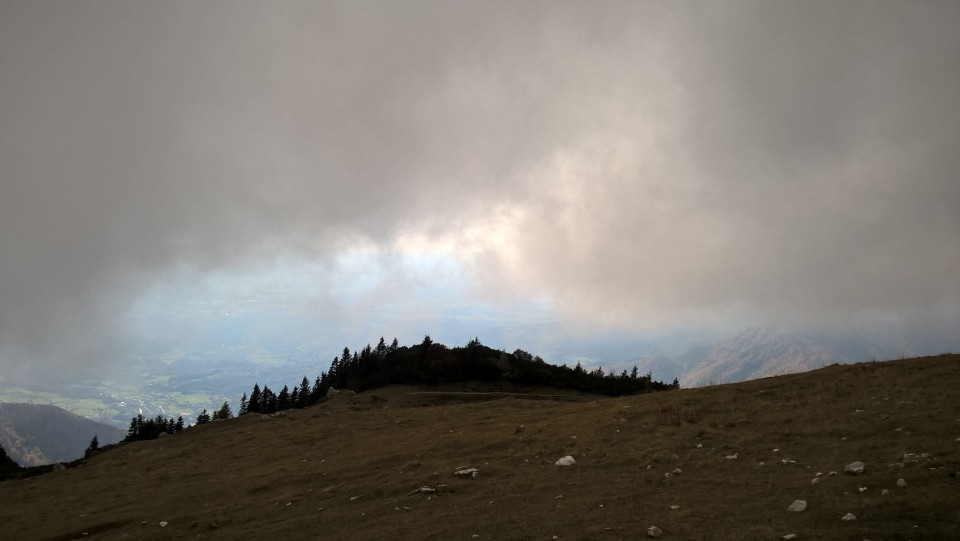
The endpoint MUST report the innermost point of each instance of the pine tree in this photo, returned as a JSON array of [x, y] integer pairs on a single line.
[[92, 448], [256, 400], [203, 418], [223, 413], [283, 399], [243, 405], [304, 398], [179, 426]]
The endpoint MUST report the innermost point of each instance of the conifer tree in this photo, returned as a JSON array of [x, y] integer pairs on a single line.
[[92, 448], [179, 426], [304, 397], [223, 413], [203, 418], [256, 400], [283, 399]]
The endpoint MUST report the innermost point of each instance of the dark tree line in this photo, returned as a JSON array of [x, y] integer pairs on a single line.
[[432, 363], [142, 428]]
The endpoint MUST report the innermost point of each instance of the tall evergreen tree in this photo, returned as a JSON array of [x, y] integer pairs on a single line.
[[256, 400], [92, 448]]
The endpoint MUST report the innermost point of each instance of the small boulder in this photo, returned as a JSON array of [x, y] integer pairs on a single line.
[[854, 467], [797, 506], [848, 517], [790, 536], [566, 461], [653, 531], [901, 483]]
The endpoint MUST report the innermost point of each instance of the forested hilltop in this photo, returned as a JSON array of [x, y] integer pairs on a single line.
[[427, 363], [430, 363]]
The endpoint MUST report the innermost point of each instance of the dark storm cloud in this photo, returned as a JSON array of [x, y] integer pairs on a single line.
[[637, 161]]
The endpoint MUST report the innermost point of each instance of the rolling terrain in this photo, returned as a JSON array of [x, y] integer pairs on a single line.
[[718, 462]]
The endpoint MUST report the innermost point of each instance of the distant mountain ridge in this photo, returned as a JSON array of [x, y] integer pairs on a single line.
[[37, 434], [756, 353], [760, 352]]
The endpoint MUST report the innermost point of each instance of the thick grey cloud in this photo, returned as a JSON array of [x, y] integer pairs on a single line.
[[637, 162]]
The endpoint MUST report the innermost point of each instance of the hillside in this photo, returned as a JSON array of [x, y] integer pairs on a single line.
[[351, 467], [36, 434], [756, 353]]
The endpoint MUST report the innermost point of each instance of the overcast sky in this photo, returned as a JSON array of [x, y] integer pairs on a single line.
[[643, 165]]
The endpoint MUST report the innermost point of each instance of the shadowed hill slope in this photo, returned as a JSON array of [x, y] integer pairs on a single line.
[[36, 434], [351, 467]]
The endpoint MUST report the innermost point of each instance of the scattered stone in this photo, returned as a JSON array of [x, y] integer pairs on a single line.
[[573, 437], [677, 471], [815, 480], [854, 467], [649, 466], [831, 472], [467, 472], [667, 475], [901, 483], [653, 531], [424, 490], [790, 536], [819, 474], [797, 506], [520, 429], [732, 457], [862, 489], [884, 492], [566, 461], [910, 458], [163, 523], [848, 517], [700, 445], [761, 463], [674, 507], [331, 391], [777, 450]]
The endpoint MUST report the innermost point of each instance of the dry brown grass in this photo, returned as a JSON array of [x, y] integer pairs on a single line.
[[346, 469]]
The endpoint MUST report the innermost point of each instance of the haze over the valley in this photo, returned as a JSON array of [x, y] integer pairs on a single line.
[[278, 180]]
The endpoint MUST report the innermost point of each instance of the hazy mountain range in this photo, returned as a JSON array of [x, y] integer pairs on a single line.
[[769, 351]]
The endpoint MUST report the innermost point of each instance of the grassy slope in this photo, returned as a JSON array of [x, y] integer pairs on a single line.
[[346, 469]]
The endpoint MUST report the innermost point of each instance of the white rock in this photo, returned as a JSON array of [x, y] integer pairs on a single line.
[[677, 471], [790, 536], [884, 492], [667, 475], [862, 489], [467, 472], [674, 507], [854, 467], [901, 482], [797, 506], [732, 457], [163, 523], [848, 517], [653, 531], [566, 461], [831, 472], [819, 474], [815, 480], [700, 445]]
